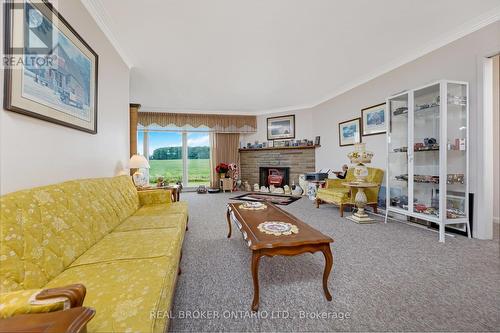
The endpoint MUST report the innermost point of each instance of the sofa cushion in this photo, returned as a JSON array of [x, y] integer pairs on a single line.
[[136, 244], [141, 222], [163, 209], [128, 295]]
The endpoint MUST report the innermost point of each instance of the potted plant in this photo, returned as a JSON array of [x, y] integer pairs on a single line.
[[222, 169]]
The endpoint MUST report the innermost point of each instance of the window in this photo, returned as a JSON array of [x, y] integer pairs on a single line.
[[176, 156], [198, 159]]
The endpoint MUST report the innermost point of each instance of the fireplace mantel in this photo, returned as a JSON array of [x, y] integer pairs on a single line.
[[278, 148]]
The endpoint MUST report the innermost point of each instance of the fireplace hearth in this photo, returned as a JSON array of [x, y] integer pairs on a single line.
[[273, 175]]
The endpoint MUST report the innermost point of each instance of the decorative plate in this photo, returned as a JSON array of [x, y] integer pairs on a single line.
[[253, 206], [278, 228]]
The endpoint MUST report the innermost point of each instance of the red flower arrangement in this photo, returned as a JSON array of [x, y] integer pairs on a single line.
[[222, 168]]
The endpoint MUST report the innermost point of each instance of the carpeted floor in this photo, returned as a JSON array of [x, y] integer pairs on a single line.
[[386, 277]]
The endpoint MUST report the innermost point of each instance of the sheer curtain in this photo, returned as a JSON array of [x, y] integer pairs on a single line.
[[224, 149]]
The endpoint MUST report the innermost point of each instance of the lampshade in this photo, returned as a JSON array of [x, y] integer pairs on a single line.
[[138, 162]]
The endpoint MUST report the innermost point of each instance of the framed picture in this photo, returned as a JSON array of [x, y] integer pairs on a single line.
[[317, 141], [281, 127], [350, 132], [373, 120], [52, 71]]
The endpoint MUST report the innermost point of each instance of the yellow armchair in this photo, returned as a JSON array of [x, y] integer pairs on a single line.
[[340, 195]]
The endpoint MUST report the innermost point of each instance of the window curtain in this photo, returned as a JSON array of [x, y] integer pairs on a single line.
[[205, 122], [224, 149]]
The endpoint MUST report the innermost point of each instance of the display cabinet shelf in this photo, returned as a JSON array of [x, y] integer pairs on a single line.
[[428, 157]]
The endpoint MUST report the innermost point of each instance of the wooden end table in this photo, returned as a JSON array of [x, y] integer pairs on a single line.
[[175, 189], [262, 244], [226, 184], [360, 201]]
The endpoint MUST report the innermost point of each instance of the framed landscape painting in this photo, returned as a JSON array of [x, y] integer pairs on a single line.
[[281, 127], [52, 71], [350, 132], [373, 120]]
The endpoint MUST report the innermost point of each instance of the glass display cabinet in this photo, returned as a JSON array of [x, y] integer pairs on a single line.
[[428, 157]]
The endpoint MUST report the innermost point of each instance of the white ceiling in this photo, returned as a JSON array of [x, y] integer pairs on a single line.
[[259, 56]]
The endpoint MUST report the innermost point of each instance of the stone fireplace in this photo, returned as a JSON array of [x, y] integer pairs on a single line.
[[296, 160]]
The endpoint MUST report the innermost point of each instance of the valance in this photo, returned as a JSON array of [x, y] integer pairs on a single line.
[[209, 122]]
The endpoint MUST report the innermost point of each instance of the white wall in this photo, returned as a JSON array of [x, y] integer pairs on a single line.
[[35, 152], [303, 127]]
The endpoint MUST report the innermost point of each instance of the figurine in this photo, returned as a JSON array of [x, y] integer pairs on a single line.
[[246, 186], [278, 190], [256, 187], [303, 183], [287, 190]]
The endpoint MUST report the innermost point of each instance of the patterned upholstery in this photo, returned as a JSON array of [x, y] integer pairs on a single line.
[[123, 246], [338, 194], [18, 302]]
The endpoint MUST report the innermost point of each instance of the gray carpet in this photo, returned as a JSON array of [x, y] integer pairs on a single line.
[[386, 277]]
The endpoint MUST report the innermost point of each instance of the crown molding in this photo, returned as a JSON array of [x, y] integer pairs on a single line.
[[146, 108], [469, 27], [98, 12]]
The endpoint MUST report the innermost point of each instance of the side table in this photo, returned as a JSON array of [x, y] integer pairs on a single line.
[[175, 189], [226, 184], [360, 201]]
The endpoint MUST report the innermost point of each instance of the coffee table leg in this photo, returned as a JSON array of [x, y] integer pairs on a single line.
[[228, 216], [255, 276], [328, 267]]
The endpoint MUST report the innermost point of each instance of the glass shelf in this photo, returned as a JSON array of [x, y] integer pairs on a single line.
[[428, 158]]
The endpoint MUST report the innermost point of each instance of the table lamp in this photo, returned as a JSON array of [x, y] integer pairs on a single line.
[[138, 162]]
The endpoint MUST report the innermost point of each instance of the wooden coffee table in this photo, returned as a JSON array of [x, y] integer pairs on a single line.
[[262, 244]]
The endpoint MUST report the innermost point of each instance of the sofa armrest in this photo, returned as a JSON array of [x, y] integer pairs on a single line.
[[68, 321], [41, 300], [75, 293], [152, 197]]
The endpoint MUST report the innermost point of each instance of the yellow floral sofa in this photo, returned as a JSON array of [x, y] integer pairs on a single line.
[[340, 195], [123, 245]]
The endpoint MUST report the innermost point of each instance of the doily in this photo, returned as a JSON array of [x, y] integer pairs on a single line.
[[278, 228], [253, 206]]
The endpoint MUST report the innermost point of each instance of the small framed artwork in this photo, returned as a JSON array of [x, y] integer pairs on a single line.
[[317, 141], [373, 120], [53, 72], [281, 127], [279, 143], [350, 132]]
